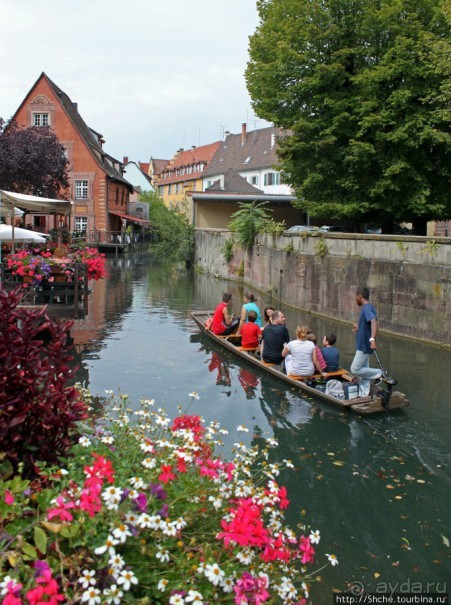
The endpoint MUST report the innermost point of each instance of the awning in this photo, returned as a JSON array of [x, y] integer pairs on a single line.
[[128, 217], [33, 203]]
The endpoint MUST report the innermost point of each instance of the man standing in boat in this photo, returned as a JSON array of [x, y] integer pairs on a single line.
[[366, 331]]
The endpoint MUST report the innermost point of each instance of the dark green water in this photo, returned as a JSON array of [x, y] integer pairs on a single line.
[[377, 488]]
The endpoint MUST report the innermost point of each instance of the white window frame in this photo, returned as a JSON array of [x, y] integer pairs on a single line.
[[80, 223], [41, 119], [81, 189]]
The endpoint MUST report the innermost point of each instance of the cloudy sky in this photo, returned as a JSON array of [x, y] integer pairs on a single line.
[[150, 75]]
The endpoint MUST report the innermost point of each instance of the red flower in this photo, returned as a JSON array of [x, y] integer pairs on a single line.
[[166, 475]]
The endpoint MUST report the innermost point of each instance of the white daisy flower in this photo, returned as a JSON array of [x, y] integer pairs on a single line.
[[214, 573], [137, 482], [194, 597], [113, 595], [162, 555], [127, 578], [245, 556], [84, 442], [216, 501], [149, 463], [333, 559], [108, 545], [242, 429], [176, 599], [88, 578], [121, 532], [116, 562], [91, 596], [162, 584], [194, 395], [315, 537]]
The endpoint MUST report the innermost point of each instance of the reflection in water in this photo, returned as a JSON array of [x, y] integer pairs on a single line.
[[378, 488], [218, 364]]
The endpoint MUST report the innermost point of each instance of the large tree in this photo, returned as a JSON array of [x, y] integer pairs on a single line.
[[32, 161], [362, 87]]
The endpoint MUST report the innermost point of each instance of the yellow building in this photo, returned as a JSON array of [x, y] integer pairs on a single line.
[[184, 174]]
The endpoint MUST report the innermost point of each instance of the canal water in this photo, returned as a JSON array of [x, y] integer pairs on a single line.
[[378, 488]]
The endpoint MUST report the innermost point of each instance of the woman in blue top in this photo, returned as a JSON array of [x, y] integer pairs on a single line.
[[249, 305]]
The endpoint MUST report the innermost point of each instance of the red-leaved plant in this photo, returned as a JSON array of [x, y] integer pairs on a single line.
[[38, 411]]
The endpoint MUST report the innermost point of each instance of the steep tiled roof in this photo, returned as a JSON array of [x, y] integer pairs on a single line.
[[233, 183], [92, 138], [144, 166], [158, 165], [246, 151], [191, 157]]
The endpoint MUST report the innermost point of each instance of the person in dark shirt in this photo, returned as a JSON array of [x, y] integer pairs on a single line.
[[274, 336], [330, 353]]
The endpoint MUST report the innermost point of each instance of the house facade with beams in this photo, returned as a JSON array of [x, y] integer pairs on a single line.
[[97, 186]]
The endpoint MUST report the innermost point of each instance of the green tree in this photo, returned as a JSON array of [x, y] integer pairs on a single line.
[[362, 87], [33, 161], [249, 220], [172, 233]]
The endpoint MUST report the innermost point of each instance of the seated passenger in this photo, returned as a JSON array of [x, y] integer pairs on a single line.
[[274, 336], [223, 323], [300, 355], [250, 332], [250, 304], [330, 353], [319, 355], [267, 312]]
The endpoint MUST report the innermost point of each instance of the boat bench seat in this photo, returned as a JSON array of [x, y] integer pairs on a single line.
[[248, 348], [343, 373]]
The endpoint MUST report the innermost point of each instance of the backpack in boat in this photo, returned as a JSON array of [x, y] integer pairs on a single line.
[[334, 388]]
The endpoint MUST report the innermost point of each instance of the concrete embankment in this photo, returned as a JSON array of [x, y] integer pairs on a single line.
[[409, 277]]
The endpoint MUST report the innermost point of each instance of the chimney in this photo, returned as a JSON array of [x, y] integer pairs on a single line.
[[243, 133], [75, 106], [125, 160], [226, 134]]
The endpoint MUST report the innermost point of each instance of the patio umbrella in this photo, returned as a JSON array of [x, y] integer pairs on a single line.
[[8, 234]]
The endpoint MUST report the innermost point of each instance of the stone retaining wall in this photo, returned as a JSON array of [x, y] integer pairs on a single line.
[[409, 277]]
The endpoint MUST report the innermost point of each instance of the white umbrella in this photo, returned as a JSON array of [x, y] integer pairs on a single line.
[[8, 234]]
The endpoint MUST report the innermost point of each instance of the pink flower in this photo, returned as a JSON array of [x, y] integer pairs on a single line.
[[9, 498], [307, 550], [61, 511]]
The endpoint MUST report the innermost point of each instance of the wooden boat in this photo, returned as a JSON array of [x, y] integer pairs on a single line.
[[379, 400]]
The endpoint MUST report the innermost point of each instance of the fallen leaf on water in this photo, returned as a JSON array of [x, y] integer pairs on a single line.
[[338, 463], [437, 561], [398, 497], [390, 486], [445, 541], [377, 575], [395, 564], [410, 478], [416, 568], [421, 481], [319, 477], [330, 454], [337, 590]]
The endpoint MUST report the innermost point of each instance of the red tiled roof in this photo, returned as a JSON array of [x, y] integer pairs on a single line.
[[190, 157], [144, 166]]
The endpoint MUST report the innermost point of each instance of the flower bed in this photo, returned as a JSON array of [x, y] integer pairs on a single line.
[[44, 263], [143, 510]]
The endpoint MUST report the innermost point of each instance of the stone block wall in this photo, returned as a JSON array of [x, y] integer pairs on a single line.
[[409, 277]]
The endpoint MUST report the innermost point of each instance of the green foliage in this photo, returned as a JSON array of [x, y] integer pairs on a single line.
[[321, 248], [431, 248], [273, 227], [249, 220], [172, 233], [363, 87], [402, 247], [227, 250]]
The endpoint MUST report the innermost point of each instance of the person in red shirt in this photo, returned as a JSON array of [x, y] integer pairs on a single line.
[[250, 332], [223, 323]]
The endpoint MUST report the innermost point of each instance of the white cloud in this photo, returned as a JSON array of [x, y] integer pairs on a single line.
[[150, 75]]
